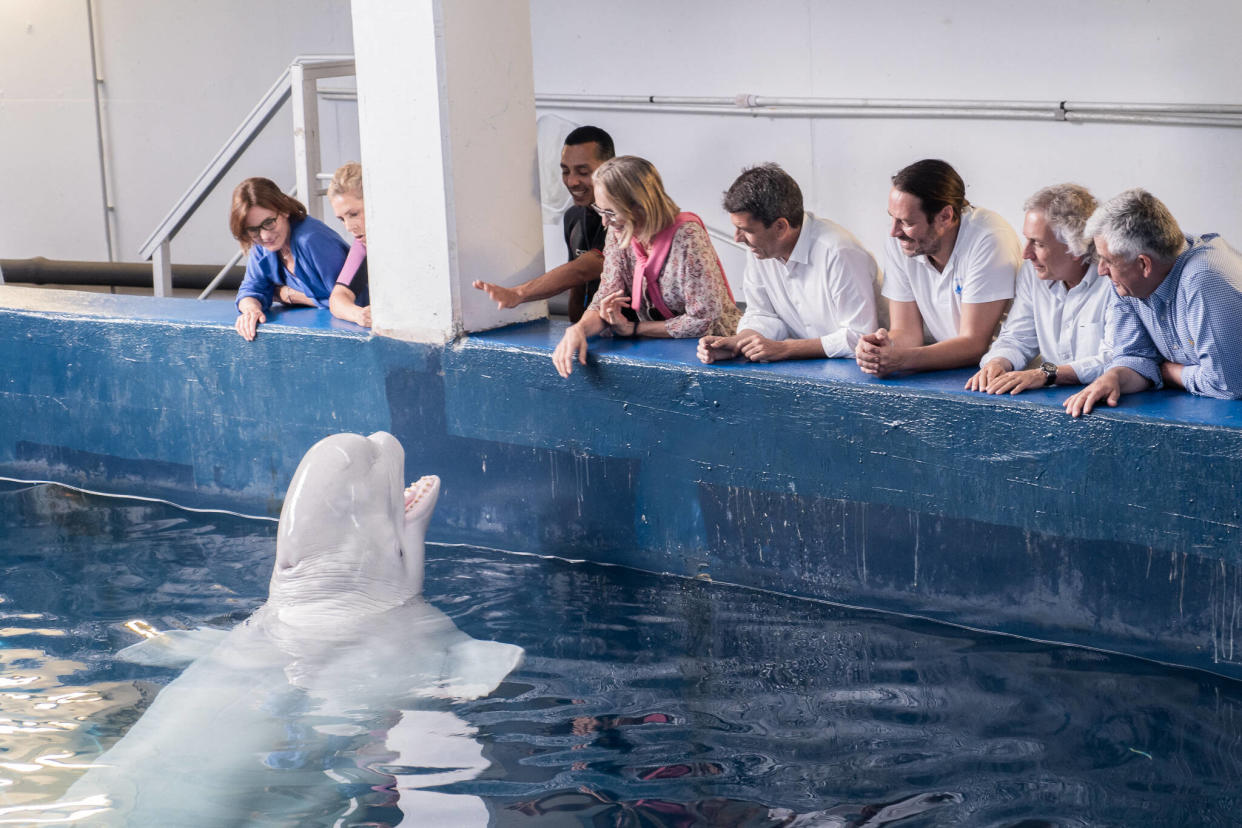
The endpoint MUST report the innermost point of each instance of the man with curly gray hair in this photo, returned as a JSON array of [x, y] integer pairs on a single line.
[[1178, 305], [1060, 305]]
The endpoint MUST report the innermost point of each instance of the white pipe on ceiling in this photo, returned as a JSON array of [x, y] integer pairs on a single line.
[[1226, 115]]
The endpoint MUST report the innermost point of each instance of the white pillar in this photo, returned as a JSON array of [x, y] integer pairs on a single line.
[[446, 111]]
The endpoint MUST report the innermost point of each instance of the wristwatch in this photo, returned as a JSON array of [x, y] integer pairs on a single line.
[[1050, 373], [630, 316]]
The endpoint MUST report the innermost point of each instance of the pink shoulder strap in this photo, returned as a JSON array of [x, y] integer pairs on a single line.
[[650, 263]]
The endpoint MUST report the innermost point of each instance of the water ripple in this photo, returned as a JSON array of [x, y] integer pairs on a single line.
[[670, 701]]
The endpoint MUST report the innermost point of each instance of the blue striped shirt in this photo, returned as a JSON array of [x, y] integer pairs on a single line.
[[1194, 318]]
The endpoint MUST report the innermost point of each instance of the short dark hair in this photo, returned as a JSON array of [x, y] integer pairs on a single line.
[[592, 135], [766, 192], [935, 184]]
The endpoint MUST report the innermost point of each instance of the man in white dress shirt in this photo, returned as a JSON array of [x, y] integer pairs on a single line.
[[1061, 303], [810, 286], [949, 271]]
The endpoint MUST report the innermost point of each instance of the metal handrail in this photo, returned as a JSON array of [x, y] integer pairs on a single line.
[[224, 271], [724, 236], [219, 166], [304, 72]]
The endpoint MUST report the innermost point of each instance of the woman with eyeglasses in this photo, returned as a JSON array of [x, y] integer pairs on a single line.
[[294, 258], [661, 276]]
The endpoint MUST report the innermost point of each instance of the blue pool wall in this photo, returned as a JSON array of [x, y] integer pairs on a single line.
[[1119, 531]]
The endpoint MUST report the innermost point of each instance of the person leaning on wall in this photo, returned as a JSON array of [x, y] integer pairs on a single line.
[[1177, 313], [585, 149], [810, 285], [948, 266], [661, 276], [1061, 303], [293, 258], [351, 297]]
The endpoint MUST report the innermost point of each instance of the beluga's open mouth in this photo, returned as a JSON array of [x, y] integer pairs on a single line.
[[421, 494]]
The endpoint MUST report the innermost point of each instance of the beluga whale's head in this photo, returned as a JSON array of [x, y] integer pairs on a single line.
[[351, 534]]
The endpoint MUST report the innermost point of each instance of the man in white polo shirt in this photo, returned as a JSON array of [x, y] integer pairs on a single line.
[[810, 286], [1061, 304], [949, 273]]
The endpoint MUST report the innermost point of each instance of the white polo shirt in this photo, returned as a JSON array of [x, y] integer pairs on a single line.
[[982, 268], [1065, 327], [827, 290]]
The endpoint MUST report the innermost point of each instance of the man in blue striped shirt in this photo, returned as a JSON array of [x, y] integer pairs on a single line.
[[1178, 310]]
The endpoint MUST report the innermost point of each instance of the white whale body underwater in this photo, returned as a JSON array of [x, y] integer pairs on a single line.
[[343, 652]]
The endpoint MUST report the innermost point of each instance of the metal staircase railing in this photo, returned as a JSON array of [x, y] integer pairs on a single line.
[[302, 75]]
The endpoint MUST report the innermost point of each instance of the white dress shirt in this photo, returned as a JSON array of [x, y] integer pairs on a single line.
[[982, 268], [826, 290], [1065, 327]]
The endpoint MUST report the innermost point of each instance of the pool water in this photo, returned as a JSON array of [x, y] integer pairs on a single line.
[[643, 700]]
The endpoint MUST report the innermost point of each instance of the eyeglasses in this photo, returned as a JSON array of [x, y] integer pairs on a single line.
[[267, 225], [609, 216]]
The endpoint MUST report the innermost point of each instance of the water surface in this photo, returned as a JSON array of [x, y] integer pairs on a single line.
[[643, 701]]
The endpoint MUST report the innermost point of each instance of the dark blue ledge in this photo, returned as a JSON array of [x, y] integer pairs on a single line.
[[1172, 406], [1121, 530]]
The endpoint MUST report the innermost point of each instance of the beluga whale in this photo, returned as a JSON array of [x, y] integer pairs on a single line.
[[344, 659]]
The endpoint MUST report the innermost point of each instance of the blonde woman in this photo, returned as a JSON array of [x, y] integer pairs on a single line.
[[661, 276], [351, 299]]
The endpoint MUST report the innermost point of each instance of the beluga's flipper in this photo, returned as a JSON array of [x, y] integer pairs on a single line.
[[173, 648]]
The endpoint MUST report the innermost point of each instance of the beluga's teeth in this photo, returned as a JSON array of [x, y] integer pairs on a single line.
[[417, 490]]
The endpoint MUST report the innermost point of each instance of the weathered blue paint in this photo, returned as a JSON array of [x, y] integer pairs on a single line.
[[1121, 530]]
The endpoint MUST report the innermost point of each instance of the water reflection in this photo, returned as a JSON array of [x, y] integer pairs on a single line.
[[594, 807], [644, 701], [770, 710], [353, 725], [253, 733]]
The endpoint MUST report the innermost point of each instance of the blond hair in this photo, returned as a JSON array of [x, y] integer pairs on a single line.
[[637, 192], [347, 179]]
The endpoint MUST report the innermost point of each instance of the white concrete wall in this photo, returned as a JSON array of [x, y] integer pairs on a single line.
[[48, 159], [179, 76], [1083, 50]]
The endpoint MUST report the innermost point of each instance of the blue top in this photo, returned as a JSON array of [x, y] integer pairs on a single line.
[[318, 256], [1193, 319]]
